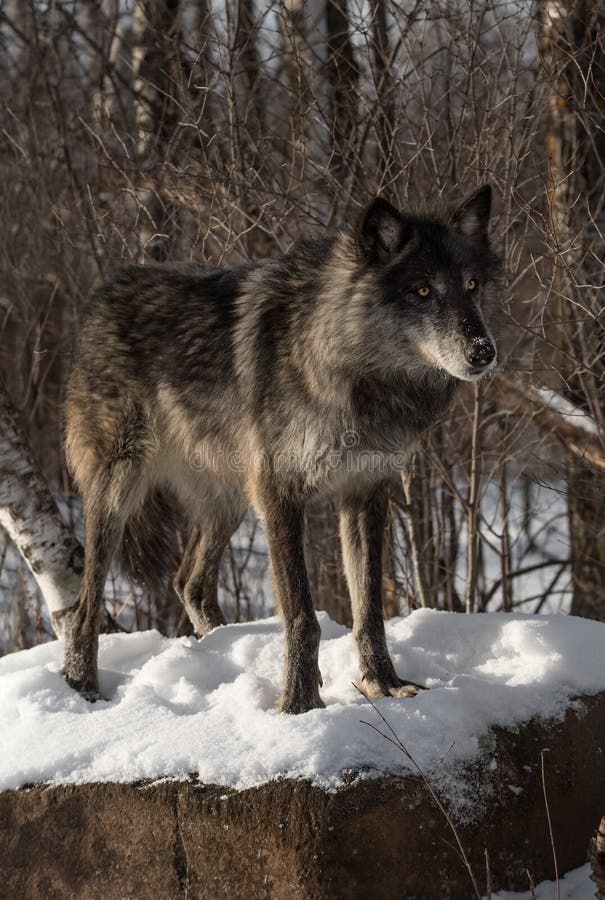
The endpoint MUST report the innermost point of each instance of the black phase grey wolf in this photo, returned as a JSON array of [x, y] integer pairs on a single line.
[[268, 384]]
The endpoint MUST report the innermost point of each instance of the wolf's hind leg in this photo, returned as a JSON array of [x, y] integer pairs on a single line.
[[362, 520], [196, 581], [109, 499]]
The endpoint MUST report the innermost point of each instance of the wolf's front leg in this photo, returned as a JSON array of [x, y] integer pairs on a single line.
[[362, 519], [283, 520]]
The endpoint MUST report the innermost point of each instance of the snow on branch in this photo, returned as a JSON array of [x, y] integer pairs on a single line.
[[550, 411]]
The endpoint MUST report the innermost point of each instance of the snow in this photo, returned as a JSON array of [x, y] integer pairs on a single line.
[[572, 414], [177, 707], [575, 885]]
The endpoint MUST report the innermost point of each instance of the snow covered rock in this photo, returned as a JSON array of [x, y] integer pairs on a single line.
[[181, 707], [378, 838], [319, 805]]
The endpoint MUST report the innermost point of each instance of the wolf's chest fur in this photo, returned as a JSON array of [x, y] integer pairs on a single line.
[[369, 434], [325, 443]]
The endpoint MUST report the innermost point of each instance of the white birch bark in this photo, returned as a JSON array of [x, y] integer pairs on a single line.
[[30, 515]]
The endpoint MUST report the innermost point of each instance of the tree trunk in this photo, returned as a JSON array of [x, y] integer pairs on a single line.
[[587, 540], [385, 88], [298, 70], [30, 515], [155, 50], [248, 114], [574, 58], [390, 589], [597, 860], [324, 563], [343, 79]]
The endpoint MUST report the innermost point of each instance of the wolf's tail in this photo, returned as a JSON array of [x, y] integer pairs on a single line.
[[148, 553]]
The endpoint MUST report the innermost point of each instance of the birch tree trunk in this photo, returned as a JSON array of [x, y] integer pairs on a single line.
[[30, 515]]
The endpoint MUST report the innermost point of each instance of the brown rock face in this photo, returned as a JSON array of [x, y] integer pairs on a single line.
[[378, 839]]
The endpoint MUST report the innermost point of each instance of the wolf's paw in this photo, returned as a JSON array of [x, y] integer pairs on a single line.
[[205, 621], [377, 687], [296, 706], [300, 701], [93, 696], [85, 688]]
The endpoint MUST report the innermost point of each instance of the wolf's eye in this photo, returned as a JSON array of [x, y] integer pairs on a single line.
[[471, 284], [424, 291]]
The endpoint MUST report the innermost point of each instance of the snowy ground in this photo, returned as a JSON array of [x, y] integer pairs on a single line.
[[575, 885], [207, 707]]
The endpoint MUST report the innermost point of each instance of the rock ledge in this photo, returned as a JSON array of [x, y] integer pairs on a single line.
[[380, 838]]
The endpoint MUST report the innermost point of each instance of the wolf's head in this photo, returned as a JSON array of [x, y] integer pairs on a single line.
[[435, 278]]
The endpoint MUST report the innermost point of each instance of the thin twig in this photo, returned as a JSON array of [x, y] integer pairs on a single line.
[[552, 840], [532, 886], [397, 742], [473, 507]]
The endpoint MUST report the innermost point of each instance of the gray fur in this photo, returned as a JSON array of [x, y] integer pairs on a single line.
[[310, 374]]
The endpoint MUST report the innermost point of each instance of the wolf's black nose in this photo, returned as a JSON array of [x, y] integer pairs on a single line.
[[480, 353]]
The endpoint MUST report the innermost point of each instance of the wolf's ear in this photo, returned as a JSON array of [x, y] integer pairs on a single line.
[[382, 231], [471, 218]]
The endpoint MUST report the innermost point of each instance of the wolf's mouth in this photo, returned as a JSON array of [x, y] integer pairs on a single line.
[[476, 371]]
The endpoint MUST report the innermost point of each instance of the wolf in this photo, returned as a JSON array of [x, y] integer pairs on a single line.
[[269, 384]]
